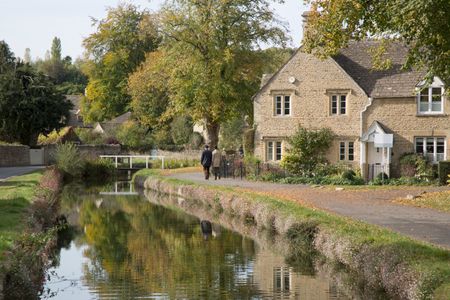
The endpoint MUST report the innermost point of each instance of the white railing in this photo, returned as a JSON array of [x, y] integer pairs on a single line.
[[130, 158], [121, 189]]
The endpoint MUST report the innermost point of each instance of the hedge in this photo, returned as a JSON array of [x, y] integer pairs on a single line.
[[443, 171]]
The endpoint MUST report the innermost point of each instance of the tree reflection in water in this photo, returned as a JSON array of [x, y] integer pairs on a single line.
[[159, 251], [133, 248]]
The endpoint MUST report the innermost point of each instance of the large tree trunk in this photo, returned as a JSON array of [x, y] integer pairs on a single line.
[[212, 133]]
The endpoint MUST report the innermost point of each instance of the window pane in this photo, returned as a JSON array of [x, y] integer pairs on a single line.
[[287, 281], [334, 105], [351, 151], [343, 105], [429, 149], [342, 151], [436, 99], [278, 151], [278, 105], [423, 106], [440, 149], [287, 105], [269, 150], [419, 145]]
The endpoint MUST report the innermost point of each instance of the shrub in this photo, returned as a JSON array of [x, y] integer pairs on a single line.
[[69, 160], [181, 130], [98, 169], [88, 136], [412, 164], [248, 141], [443, 171], [348, 174], [195, 141], [325, 169], [382, 176], [308, 148]]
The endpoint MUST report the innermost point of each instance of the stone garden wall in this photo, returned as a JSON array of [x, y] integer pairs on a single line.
[[14, 155]]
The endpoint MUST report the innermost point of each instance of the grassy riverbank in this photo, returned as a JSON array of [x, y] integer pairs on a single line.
[[400, 265], [438, 201], [16, 195]]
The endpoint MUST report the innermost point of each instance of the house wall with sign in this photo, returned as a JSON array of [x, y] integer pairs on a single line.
[[399, 116]]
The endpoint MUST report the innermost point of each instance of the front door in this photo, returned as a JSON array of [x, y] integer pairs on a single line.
[[378, 160]]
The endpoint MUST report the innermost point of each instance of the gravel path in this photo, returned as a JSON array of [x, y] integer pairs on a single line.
[[371, 206]]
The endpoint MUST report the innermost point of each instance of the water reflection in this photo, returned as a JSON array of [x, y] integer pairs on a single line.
[[124, 247]]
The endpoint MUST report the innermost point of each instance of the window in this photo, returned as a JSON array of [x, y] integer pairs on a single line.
[[347, 151], [433, 148], [282, 105], [274, 151], [431, 100], [342, 151], [338, 105], [351, 151], [281, 279]]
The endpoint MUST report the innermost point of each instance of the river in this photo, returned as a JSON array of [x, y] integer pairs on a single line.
[[120, 245]]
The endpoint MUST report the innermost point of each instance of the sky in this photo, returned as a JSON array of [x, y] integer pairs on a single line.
[[34, 23]]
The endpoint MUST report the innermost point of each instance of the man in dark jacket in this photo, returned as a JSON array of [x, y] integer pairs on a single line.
[[206, 161]]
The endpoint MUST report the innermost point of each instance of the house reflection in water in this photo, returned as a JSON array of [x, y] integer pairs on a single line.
[[272, 274]]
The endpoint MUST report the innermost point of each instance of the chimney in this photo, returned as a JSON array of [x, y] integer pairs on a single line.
[[305, 19]]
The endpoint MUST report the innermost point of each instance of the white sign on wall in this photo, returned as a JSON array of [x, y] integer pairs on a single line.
[[383, 140]]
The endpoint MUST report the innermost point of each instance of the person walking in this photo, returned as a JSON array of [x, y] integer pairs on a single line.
[[206, 161], [216, 160]]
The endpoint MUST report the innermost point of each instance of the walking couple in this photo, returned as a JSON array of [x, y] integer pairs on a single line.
[[209, 158]]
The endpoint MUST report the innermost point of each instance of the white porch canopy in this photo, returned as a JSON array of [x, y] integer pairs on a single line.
[[374, 140]]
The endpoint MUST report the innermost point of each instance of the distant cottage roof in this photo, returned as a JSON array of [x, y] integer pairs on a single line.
[[356, 60], [121, 119], [75, 100]]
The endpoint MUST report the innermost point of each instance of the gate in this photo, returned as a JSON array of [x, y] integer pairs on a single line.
[[36, 157]]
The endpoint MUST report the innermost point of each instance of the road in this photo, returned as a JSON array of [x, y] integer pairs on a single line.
[[16, 171]]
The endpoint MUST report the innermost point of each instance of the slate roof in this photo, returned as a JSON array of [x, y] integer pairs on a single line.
[[356, 60], [76, 101], [121, 119]]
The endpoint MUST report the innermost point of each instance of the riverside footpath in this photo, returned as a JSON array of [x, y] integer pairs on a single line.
[[373, 206]]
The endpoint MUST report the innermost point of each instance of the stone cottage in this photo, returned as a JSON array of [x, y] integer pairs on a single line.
[[376, 115]]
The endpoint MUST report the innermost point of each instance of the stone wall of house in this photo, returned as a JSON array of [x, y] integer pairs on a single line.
[[316, 80], [399, 116], [14, 155], [91, 151]]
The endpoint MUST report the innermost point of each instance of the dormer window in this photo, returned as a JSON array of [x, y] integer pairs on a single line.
[[431, 99]]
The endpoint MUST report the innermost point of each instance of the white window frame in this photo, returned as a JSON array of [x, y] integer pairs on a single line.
[[276, 150], [345, 147], [424, 150], [437, 84], [339, 106], [283, 105]]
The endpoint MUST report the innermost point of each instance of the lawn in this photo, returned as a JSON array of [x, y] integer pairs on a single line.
[[439, 201], [16, 194]]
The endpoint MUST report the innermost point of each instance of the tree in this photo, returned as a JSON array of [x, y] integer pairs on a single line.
[[56, 49], [211, 46], [6, 58], [29, 105], [66, 75], [27, 56], [423, 25], [149, 91], [307, 149], [114, 51]]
